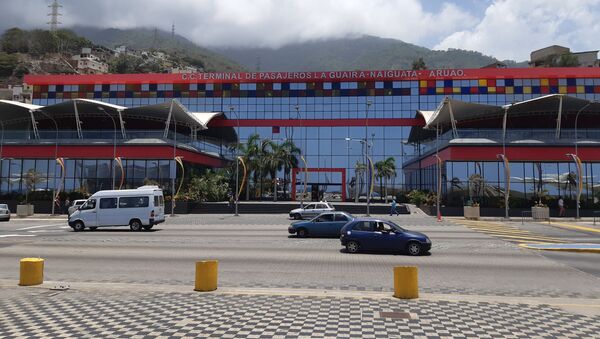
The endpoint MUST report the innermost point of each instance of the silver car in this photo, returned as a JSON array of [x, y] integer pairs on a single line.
[[76, 204], [4, 212], [311, 210]]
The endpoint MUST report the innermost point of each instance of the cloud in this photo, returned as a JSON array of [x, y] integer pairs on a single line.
[[257, 23], [511, 29]]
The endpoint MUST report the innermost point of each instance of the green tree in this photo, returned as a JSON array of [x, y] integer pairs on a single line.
[[124, 64], [8, 63], [386, 169], [568, 60], [419, 64], [211, 186], [288, 153], [15, 40], [31, 179], [249, 152]]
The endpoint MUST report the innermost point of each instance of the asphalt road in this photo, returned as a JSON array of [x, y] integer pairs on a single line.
[[257, 251]]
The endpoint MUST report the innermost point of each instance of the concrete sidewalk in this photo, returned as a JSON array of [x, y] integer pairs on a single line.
[[90, 310]]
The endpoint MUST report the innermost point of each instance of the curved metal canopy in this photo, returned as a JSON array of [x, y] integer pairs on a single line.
[[168, 112]]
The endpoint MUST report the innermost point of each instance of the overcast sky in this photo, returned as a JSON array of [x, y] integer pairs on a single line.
[[505, 29]]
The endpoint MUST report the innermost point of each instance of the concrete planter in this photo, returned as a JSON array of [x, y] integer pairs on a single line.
[[540, 213], [24, 210], [471, 212]]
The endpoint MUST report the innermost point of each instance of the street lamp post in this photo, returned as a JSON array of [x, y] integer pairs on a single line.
[[368, 182], [114, 144], [237, 161], [297, 108], [577, 159]]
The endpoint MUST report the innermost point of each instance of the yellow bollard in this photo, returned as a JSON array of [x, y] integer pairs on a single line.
[[406, 282], [31, 271], [206, 275]]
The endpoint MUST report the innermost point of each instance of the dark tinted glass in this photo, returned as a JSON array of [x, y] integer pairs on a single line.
[[132, 202], [326, 217], [363, 226], [108, 203], [341, 217]]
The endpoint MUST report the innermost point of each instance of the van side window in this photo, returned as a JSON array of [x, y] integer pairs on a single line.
[[133, 202], [156, 201], [108, 203], [162, 200]]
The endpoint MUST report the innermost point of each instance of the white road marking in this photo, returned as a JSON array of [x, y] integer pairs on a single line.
[[45, 231], [39, 226], [16, 235]]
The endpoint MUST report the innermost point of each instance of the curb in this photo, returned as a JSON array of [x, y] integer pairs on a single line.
[[558, 248]]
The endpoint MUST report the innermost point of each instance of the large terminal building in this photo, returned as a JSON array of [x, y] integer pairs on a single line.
[[468, 120]]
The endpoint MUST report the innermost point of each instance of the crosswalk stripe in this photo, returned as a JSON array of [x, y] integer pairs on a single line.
[[508, 233]]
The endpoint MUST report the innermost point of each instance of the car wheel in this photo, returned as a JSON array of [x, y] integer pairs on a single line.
[[78, 226], [302, 233], [148, 228], [297, 216], [352, 247], [93, 228], [414, 248], [135, 225]]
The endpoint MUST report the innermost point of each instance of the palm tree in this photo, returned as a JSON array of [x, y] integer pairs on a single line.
[[264, 162], [379, 169], [388, 172], [249, 152], [288, 154]]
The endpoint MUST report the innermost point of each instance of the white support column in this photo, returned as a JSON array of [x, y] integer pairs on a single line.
[[77, 121], [36, 133], [168, 122], [560, 104], [452, 121], [122, 124]]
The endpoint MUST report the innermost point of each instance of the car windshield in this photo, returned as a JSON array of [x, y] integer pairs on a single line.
[[5, 206]]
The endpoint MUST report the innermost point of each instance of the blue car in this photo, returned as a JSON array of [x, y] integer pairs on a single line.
[[376, 235], [328, 224]]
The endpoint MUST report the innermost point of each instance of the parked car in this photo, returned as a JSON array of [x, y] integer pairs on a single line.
[[139, 208], [75, 205], [328, 224], [370, 234], [311, 210], [4, 212]]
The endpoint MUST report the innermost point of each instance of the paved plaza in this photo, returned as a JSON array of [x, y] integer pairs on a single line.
[[477, 282]]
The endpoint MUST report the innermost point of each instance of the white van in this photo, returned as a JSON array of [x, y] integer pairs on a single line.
[[139, 208]]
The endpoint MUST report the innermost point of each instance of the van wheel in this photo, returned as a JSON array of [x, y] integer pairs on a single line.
[[148, 228], [135, 225], [78, 226]]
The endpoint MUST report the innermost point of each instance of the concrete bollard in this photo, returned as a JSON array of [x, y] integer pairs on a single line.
[[31, 271], [206, 275], [406, 282]]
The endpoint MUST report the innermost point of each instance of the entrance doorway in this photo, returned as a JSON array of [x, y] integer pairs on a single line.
[[321, 184]]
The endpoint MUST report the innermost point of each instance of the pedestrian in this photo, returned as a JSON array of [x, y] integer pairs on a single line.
[[393, 208], [67, 204], [231, 202], [561, 207]]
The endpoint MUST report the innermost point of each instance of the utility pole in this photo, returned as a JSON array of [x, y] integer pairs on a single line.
[[173, 31], [54, 14]]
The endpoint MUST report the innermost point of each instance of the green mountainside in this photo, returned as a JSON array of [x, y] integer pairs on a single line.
[[365, 53], [148, 38]]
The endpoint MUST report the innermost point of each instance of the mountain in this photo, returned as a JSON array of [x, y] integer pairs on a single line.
[[147, 38], [365, 53]]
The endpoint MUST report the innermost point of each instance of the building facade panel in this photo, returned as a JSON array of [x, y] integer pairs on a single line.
[[327, 114]]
